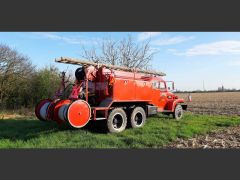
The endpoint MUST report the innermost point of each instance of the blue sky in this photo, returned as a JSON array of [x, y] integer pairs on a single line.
[[188, 58]]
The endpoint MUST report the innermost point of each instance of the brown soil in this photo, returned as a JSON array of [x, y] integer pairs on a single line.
[[11, 116], [215, 103], [226, 138]]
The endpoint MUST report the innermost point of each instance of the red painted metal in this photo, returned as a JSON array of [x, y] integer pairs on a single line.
[[62, 87], [75, 91], [50, 110], [78, 113], [105, 87]]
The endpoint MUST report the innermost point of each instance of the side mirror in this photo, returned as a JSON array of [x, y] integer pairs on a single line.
[[170, 85]]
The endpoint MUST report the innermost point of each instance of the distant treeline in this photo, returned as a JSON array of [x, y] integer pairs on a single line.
[[21, 84], [208, 91]]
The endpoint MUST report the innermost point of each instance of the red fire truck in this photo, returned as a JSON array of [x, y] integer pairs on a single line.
[[116, 94]]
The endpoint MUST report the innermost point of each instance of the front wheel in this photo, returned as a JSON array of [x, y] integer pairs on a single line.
[[117, 120], [178, 112]]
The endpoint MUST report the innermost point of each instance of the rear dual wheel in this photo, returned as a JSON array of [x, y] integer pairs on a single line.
[[117, 119]]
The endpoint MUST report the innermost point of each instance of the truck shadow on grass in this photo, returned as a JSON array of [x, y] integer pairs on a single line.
[[159, 130], [22, 129], [25, 129]]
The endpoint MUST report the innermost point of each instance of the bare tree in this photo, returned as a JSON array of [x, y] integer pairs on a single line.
[[90, 54], [125, 52]]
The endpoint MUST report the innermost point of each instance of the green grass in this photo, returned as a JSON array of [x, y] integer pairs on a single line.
[[157, 132]]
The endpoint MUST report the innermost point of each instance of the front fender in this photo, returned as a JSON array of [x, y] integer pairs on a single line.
[[172, 104]]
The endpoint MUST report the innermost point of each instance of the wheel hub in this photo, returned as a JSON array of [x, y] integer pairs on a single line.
[[138, 119], [178, 112], [117, 121]]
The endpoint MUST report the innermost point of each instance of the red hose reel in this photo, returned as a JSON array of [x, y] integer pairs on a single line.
[[76, 113]]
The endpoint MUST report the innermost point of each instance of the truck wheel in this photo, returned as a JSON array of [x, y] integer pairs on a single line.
[[138, 117], [117, 120], [178, 112]]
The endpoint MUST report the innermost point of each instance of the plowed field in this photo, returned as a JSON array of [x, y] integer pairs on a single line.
[[220, 103]]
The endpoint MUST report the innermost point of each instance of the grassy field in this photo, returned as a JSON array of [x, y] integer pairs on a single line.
[[158, 131]]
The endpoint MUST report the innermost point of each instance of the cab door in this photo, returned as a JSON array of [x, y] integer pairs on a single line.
[[159, 94], [163, 94]]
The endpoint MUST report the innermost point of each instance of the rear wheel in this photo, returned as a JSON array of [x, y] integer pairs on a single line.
[[178, 112], [138, 117], [117, 120]]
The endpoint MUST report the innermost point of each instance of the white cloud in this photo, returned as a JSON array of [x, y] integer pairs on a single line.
[[234, 63], [155, 50], [68, 40], [214, 48], [146, 35], [172, 50], [172, 40]]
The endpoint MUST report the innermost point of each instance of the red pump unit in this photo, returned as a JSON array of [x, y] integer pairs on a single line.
[[112, 93]]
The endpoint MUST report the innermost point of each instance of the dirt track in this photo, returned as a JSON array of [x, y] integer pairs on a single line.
[[226, 138], [10, 116]]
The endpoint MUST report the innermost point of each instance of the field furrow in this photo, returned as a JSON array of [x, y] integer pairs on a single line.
[[219, 103]]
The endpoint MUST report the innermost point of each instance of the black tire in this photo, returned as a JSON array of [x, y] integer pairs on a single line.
[[178, 112], [117, 121], [138, 117]]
